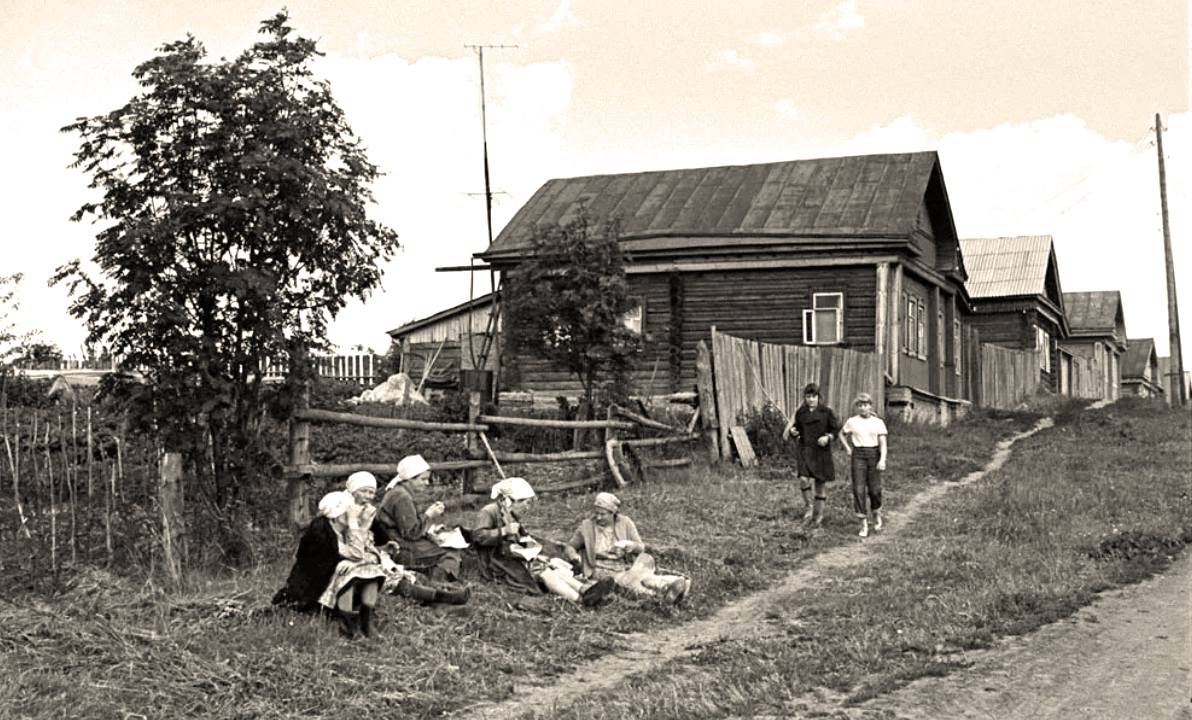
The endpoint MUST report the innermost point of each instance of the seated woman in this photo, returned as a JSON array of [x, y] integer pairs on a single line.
[[398, 519], [603, 545], [363, 487], [337, 569], [508, 553]]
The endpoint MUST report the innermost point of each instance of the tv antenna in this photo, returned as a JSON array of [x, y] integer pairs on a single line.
[[491, 330]]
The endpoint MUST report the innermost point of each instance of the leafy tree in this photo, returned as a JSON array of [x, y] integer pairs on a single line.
[[235, 228], [566, 303], [37, 353], [13, 342]]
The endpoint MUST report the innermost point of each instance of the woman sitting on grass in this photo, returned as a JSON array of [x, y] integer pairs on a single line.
[[338, 570], [398, 519], [507, 552], [603, 545]]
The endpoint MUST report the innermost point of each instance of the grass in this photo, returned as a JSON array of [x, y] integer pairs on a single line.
[[1098, 500]]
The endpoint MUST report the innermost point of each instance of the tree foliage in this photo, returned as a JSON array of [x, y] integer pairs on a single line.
[[567, 303], [234, 229]]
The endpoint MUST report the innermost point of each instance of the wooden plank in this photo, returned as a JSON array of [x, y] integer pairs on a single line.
[[744, 447]]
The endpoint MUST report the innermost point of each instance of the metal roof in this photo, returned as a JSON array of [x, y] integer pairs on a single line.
[[866, 196], [1006, 266], [1096, 312]]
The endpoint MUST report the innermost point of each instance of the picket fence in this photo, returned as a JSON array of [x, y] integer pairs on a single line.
[[361, 369]]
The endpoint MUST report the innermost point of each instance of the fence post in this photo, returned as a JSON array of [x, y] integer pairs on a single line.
[[707, 399], [173, 531], [472, 441], [298, 486]]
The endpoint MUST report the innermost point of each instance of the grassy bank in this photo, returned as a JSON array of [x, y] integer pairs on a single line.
[[1086, 505]]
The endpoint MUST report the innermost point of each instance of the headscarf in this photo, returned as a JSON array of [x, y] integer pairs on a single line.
[[409, 467], [513, 488], [607, 501], [335, 504], [361, 479]]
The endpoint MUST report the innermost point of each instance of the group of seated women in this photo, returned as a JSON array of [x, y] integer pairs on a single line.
[[355, 550]]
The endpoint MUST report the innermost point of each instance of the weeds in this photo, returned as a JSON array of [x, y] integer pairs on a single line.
[[1080, 507]]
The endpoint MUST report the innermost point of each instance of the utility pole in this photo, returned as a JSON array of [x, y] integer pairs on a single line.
[[1176, 367]]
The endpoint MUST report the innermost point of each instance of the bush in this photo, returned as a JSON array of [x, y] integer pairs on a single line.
[[27, 392], [764, 428]]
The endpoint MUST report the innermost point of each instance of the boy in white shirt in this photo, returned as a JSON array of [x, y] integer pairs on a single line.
[[864, 439]]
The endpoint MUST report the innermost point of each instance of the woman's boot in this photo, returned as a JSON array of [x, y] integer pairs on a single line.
[[349, 624], [453, 596], [367, 618], [421, 593]]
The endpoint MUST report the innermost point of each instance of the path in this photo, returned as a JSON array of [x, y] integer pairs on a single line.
[[645, 651]]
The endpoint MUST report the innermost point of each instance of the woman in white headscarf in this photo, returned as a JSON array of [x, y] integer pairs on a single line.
[[398, 519], [508, 552], [337, 570], [607, 544]]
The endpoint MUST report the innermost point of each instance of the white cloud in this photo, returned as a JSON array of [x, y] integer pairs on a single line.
[[726, 59], [787, 110], [562, 17], [769, 38], [842, 19]]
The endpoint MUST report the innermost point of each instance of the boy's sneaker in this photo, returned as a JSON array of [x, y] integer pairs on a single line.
[[864, 528], [808, 513], [877, 521]]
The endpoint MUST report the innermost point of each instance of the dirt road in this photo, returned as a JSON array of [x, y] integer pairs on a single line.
[[1128, 655]]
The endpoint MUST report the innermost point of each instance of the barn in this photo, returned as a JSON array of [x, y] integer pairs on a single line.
[[857, 252]]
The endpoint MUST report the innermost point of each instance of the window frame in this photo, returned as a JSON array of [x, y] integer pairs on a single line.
[[811, 316]]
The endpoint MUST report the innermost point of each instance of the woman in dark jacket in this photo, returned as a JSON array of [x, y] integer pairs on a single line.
[[337, 568]]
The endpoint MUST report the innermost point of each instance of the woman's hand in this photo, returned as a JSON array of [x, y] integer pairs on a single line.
[[512, 528], [353, 514], [435, 510], [824, 440]]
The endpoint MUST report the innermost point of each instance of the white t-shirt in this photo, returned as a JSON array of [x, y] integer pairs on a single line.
[[864, 432]]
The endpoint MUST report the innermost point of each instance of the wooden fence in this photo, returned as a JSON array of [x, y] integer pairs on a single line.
[[750, 375], [358, 369], [1007, 376]]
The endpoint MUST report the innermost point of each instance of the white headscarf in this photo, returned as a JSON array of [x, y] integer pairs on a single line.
[[335, 504], [361, 479], [409, 467], [513, 488]]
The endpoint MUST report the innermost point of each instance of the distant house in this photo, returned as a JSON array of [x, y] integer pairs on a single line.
[[851, 252], [1140, 369], [438, 347], [1014, 285], [1171, 388], [1096, 340]]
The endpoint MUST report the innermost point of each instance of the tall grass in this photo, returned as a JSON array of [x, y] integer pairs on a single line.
[[1079, 508]]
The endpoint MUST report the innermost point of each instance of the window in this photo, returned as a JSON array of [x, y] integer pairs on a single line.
[[956, 344], [823, 324], [635, 318], [1043, 347], [941, 334], [915, 331]]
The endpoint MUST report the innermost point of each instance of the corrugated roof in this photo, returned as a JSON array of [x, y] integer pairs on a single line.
[[864, 195], [1093, 312], [1006, 266]]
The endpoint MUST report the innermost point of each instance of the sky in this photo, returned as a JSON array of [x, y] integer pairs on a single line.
[[1043, 115]]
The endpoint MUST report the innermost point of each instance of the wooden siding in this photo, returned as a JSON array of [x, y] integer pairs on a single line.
[[761, 305]]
